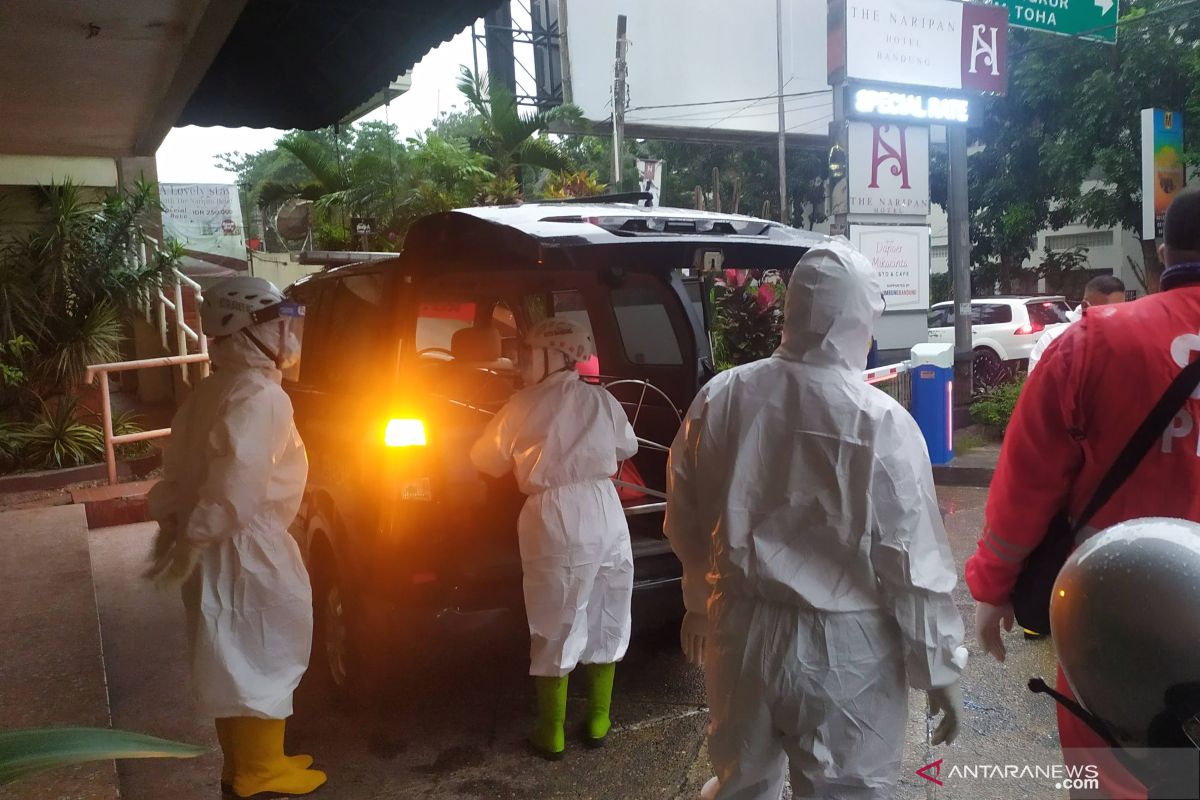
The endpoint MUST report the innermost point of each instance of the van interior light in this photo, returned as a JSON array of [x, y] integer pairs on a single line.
[[405, 433]]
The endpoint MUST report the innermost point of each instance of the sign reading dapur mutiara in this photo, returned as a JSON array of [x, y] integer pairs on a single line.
[[937, 43], [206, 218], [888, 170], [900, 255]]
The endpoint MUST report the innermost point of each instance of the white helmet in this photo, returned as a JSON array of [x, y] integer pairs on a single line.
[[562, 336], [234, 304], [1125, 613]]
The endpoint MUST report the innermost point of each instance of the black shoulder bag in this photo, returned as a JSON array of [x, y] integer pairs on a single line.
[[1031, 594]]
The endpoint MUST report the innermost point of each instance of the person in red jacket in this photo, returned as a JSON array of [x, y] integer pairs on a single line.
[[1095, 385]]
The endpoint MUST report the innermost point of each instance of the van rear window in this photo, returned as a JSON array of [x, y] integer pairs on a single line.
[[646, 329], [437, 321]]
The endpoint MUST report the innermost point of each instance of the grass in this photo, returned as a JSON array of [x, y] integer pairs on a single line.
[[966, 441]]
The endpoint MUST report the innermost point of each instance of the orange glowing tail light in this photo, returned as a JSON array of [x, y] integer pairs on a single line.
[[405, 433]]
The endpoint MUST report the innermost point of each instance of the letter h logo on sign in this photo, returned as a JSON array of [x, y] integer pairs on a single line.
[[882, 152], [984, 48], [889, 169]]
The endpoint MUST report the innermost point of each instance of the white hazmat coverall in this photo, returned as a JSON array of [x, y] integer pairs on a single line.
[[234, 473], [563, 438], [801, 504]]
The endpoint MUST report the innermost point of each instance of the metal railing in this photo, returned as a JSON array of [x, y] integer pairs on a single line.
[[156, 308], [102, 370], [155, 304]]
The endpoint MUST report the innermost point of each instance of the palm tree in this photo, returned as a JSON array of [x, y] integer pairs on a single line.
[[508, 138]]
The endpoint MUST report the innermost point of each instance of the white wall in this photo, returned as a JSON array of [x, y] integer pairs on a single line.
[[43, 170], [281, 269]]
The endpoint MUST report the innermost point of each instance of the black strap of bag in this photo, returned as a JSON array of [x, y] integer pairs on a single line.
[[1034, 586]]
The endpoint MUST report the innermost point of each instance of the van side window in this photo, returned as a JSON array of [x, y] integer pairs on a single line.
[[645, 326], [356, 323]]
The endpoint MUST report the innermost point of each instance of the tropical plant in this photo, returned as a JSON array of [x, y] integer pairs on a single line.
[[57, 438], [66, 284], [12, 444], [512, 140], [28, 752], [747, 316], [582, 183]]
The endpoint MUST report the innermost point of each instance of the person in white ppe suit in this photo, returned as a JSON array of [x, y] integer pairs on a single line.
[[1102, 290], [234, 473], [816, 572], [563, 438]]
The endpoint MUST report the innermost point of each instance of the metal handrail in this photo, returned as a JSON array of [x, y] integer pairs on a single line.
[[102, 370]]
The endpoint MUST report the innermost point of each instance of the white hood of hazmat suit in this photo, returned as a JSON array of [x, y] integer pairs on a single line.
[[234, 475], [802, 506], [562, 438]]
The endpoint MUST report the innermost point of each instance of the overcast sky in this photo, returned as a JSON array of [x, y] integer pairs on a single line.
[[188, 154]]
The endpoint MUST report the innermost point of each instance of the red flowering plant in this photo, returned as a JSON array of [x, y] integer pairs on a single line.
[[747, 320]]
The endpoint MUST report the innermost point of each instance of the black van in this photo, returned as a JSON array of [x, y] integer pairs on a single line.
[[403, 361]]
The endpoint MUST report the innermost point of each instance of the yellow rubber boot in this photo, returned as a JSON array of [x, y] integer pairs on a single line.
[[224, 736], [260, 767]]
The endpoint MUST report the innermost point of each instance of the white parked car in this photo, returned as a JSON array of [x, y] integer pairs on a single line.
[[1002, 328]]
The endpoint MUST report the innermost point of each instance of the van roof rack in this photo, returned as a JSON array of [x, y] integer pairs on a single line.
[[617, 197]]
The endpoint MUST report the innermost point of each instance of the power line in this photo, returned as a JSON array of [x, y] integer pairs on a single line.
[[703, 115], [734, 100]]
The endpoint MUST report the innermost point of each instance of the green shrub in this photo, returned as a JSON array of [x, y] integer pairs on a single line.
[[994, 408], [57, 438]]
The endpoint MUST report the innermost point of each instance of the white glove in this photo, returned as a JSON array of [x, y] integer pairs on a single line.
[[709, 792], [173, 559], [693, 635], [988, 619], [948, 701]]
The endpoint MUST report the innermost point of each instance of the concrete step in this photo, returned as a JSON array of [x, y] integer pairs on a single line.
[[51, 659], [108, 506]]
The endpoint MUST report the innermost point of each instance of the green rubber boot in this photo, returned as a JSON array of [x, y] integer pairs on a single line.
[[548, 738], [600, 686]]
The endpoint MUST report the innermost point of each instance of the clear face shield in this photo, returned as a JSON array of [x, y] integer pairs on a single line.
[[276, 332]]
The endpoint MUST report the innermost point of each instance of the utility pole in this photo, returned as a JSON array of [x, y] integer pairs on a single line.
[[783, 204], [960, 267], [619, 104]]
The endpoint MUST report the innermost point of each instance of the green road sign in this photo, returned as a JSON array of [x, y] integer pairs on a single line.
[[1088, 19]]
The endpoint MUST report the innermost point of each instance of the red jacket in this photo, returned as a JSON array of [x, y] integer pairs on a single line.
[[1093, 388]]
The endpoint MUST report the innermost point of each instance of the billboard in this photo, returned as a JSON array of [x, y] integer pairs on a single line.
[[650, 177], [707, 66], [206, 218], [900, 255], [937, 43], [1162, 166]]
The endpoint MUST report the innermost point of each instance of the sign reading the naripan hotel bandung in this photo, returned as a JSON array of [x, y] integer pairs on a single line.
[[206, 218], [938, 43]]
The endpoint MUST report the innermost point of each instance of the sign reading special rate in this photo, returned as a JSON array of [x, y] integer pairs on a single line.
[[900, 255]]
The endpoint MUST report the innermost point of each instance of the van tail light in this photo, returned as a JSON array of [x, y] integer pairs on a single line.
[[1034, 327], [405, 433]]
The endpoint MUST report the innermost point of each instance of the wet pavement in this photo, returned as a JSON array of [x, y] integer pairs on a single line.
[[454, 728]]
